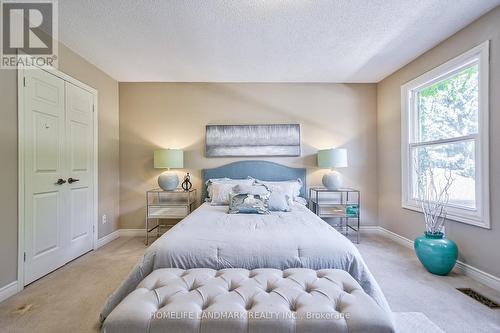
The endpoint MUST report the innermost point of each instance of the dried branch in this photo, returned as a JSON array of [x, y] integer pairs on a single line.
[[433, 199]]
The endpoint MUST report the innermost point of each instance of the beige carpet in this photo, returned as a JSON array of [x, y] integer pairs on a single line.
[[70, 299]]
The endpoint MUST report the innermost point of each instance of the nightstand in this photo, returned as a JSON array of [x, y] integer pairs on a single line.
[[343, 204], [160, 204]]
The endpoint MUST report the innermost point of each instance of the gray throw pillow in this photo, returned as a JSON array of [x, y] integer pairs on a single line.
[[247, 204]]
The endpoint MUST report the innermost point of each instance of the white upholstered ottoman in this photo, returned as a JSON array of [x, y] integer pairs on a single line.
[[239, 300]]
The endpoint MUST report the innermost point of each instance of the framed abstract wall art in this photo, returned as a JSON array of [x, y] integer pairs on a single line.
[[252, 140]]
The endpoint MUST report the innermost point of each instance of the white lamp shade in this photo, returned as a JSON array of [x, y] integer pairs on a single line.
[[332, 158], [169, 158]]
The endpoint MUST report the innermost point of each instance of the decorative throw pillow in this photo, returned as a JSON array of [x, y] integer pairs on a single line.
[[210, 182], [247, 204], [220, 193], [288, 187], [279, 202], [251, 189]]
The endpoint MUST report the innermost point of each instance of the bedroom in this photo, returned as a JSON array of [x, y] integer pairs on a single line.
[[340, 72]]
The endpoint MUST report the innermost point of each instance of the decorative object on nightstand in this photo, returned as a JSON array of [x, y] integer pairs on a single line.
[[160, 204], [332, 158], [186, 184], [343, 203], [168, 159]]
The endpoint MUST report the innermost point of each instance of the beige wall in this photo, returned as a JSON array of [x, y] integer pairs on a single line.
[[74, 65], [8, 176], [478, 247], [174, 115]]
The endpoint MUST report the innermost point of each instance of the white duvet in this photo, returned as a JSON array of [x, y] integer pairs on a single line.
[[211, 238]]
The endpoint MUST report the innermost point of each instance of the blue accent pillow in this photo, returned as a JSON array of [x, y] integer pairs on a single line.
[[247, 204]]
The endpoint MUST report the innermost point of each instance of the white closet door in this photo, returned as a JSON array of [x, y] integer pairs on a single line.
[[44, 164], [58, 157], [79, 126]]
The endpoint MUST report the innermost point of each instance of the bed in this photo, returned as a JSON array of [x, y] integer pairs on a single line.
[[211, 238]]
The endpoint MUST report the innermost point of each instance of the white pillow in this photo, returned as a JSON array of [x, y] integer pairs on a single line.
[[220, 193], [279, 202], [252, 189], [291, 188], [301, 201], [248, 181]]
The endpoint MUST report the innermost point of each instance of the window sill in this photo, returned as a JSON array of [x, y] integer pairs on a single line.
[[462, 216]]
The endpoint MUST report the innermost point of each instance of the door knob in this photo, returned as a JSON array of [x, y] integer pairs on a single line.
[[72, 180], [60, 181]]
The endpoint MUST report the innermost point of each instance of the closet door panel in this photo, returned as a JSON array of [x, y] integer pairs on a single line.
[[44, 165], [79, 118]]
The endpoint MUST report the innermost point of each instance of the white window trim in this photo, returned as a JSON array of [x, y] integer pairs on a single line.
[[481, 215]]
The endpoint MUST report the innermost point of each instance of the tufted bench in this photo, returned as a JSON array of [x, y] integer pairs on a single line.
[[239, 300]]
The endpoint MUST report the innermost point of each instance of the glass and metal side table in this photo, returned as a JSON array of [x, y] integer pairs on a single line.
[[343, 204], [167, 205]]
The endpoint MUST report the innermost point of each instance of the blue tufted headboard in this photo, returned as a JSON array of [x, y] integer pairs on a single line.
[[262, 170]]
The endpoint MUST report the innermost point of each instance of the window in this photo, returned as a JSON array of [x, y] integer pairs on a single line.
[[445, 132]]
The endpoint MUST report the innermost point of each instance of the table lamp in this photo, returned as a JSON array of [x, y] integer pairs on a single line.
[[168, 159], [332, 158]]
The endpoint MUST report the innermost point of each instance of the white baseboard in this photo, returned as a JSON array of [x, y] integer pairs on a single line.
[[119, 233], [461, 267], [397, 238], [369, 228], [478, 275], [132, 232], [8, 290], [106, 239]]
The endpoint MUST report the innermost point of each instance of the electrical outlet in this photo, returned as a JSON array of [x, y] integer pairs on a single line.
[[104, 219]]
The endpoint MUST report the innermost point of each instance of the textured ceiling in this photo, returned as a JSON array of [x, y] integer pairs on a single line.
[[259, 41]]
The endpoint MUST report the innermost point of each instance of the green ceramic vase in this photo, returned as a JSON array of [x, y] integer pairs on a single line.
[[437, 253]]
